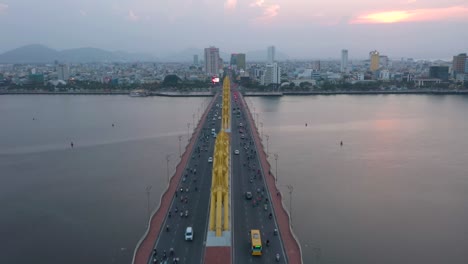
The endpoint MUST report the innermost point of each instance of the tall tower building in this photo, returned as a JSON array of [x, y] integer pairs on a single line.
[[374, 57], [271, 54], [195, 59], [63, 72], [211, 61], [272, 74], [344, 61], [458, 63], [241, 61]]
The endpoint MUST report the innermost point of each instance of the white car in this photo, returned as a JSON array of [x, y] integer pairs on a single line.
[[189, 234], [219, 117], [210, 159], [236, 152]]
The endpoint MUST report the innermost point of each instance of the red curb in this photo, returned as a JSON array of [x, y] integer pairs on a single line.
[[216, 255], [291, 245], [144, 250]]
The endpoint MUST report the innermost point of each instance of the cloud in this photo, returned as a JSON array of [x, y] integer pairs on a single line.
[[3, 8], [132, 16], [257, 3], [269, 12], [83, 13], [416, 15], [230, 4]]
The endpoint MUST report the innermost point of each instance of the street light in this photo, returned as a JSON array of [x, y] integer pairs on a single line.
[[148, 192], [180, 149], [188, 132], [167, 166], [267, 137], [261, 131], [276, 167]]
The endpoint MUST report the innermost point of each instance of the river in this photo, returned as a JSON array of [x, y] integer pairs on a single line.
[[395, 192]]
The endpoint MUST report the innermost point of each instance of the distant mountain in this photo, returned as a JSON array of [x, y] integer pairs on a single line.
[[41, 54], [30, 54]]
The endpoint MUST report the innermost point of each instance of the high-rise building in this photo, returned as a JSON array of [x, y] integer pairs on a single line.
[[233, 61], [271, 54], [374, 60], [383, 60], [458, 64], [466, 65], [272, 74], [344, 61], [195, 59], [241, 61], [211, 61], [63, 72], [439, 72]]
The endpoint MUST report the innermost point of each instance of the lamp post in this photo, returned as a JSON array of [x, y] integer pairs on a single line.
[[188, 132], [180, 148], [261, 131], [276, 167], [167, 166], [268, 138], [148, 192], [290, 188]]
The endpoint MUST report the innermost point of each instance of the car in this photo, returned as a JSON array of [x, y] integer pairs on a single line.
[[186, 213], [214, 118], [236, 152], [248, 195], [210, 159], [189, 233], [219, 117]]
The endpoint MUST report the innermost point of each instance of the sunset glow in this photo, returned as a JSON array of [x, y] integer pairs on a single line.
[[449, 13]]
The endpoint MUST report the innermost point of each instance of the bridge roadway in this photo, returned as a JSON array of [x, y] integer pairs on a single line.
[[197, 201], [247, 176]]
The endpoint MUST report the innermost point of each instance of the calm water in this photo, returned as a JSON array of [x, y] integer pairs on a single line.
[[86, 204], [395, 192]]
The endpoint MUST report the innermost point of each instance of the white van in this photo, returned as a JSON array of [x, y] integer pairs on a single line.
[[189, 234], [213, 131]]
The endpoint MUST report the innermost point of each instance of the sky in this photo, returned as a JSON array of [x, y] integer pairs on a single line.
[[431, 29]]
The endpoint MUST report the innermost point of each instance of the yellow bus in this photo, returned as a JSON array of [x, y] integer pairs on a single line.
[[256, 242]]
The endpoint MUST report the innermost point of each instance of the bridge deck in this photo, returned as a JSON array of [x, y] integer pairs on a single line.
[[144, 249], [290, 242]]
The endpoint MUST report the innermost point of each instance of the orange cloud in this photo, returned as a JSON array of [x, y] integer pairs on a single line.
[[416, 15], [230, 4]]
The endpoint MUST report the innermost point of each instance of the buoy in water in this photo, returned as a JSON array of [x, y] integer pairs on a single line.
[[71, 144], [341, 143]]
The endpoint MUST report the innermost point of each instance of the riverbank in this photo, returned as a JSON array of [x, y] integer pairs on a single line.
[[247, 94]]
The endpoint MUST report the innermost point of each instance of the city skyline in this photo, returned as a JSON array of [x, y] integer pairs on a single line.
[[302, 29]]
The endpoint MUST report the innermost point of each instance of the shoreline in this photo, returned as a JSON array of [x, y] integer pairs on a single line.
[[248, 94]]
